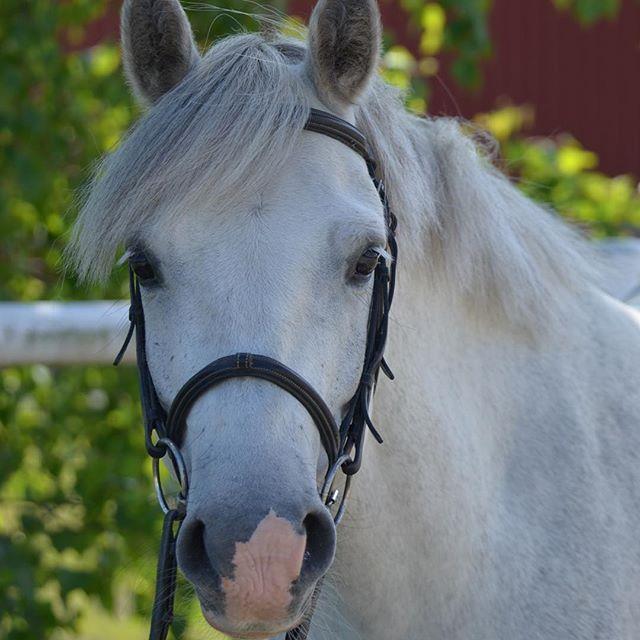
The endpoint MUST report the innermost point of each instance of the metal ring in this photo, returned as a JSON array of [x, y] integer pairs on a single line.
[[343, 502], [179, 469], [328, 496]]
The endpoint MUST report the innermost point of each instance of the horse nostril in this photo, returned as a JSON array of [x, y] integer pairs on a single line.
[[321, 543], [192, 552]]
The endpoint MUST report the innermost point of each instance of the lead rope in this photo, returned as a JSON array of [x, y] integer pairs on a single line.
[[166, 576]]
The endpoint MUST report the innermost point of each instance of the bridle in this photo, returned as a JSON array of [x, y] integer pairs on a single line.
[[343, 443]]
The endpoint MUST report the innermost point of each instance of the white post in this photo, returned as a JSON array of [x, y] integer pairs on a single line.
[[60, 333]]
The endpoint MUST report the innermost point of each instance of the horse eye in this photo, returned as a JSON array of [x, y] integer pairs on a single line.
[[142, 268], [368, 262]]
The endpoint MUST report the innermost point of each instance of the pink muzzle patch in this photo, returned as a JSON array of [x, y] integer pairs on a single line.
[[265, 567]]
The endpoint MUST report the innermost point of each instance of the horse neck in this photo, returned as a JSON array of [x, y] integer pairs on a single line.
[[443, 415], [481, 302], [434, 475]]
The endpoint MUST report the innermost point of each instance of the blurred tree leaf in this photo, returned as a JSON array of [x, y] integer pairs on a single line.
[[590, 11], [560, 173]]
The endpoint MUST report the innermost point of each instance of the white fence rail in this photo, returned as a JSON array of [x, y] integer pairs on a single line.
[[63, 332], [92, 332]]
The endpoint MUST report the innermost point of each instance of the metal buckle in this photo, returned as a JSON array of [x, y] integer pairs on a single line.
[[329, 495], [179, 471]]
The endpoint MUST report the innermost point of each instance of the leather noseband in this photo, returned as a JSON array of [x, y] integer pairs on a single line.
[[253, 366]]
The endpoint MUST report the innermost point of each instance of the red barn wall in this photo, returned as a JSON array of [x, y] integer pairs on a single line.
[[585, 81]]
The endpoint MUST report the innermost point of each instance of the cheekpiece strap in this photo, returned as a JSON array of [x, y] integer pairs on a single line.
[[153, 414]]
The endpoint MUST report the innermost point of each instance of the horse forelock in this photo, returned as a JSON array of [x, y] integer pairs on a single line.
[[223, 131]]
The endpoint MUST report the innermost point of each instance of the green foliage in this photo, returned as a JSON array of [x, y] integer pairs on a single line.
[[560, 173], [68, 445], [75, 501], [57, 113], [460, 29], [78, 526], [590, 11]]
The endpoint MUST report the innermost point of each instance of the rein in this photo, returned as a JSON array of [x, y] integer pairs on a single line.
[[343, 443]]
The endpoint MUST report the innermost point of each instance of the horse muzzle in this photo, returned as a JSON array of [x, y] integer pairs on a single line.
[[256, 579]]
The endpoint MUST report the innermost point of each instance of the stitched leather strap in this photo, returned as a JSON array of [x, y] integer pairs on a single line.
[[243, 365], [329, 125]]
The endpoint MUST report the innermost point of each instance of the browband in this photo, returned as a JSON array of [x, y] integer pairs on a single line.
[[329, 125]]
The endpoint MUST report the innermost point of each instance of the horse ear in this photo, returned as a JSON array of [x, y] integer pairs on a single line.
[[343, 48], [158, 48]]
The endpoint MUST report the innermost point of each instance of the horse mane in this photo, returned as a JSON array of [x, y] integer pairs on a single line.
[[479, 237], [234, 120]]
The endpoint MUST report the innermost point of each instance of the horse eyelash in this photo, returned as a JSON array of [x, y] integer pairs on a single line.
[[124, 258]]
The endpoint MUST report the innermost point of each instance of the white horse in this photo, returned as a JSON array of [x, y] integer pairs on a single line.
[[505, 501]]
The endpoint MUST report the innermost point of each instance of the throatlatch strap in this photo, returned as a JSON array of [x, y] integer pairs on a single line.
[[166, 576]]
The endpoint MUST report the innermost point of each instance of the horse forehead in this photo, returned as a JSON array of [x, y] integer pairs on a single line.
[[292, 219]]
